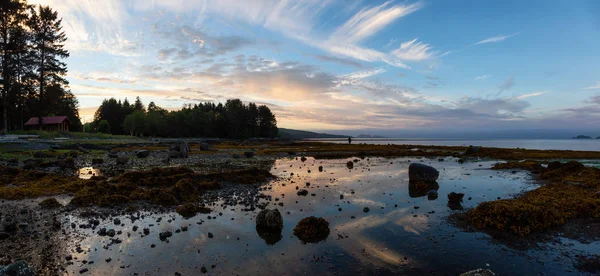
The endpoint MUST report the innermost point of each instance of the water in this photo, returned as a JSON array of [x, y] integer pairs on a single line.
[[393, 238], [540, 144]]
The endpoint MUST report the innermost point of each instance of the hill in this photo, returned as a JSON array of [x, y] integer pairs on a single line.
[[287, 133]]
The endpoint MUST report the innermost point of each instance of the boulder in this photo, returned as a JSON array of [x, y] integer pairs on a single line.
[[179, 150], [422, 173], [142, 153], [122, 160], [455, 198], [350, 165], [312, 230], [269, 219], [204, 146], [302, 192]]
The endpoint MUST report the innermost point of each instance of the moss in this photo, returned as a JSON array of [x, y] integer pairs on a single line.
[[112, 200], [571, 194], [50, 203], [312, 230], [530, 165]]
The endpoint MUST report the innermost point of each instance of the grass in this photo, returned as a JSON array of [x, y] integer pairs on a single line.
[[74, 135]]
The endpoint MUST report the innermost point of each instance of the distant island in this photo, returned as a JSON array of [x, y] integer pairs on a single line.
[[369, 136], [287, 133], [583, 137]]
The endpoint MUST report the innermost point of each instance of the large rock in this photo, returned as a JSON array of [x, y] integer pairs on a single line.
[[422, 173], [179, 150], [204, 146], [269, 219], [312, 230], [142, 153]]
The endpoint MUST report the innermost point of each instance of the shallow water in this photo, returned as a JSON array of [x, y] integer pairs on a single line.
[[394, 237]]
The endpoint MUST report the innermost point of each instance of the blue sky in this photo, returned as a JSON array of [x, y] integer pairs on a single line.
[[346, 65]]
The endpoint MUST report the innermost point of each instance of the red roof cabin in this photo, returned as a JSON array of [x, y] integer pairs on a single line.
[[52, 123]]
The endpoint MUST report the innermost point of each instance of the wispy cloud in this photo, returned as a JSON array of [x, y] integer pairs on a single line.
[[534, 94], [495, 39], [506, 85], [414, 50], [597, 86], [369, 21], [482, 77], [338, 60]]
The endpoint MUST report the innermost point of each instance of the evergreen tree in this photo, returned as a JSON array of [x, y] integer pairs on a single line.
[[47, 51]]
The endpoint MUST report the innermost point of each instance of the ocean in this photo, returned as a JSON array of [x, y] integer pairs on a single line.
[[540, 144]]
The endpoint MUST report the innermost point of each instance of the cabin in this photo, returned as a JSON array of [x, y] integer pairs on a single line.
[[52, 123]]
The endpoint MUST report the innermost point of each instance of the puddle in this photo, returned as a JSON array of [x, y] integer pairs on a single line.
[[405, 232], [88, 172]]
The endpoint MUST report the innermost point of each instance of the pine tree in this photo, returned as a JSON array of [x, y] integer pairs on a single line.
[[12, 15], [47, 51]]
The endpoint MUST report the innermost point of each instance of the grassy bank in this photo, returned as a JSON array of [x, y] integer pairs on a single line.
[[72, 135]]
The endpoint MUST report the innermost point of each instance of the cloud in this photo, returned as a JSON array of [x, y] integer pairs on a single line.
[[597, 86], [414, 51], [482, 77], [338, 60], [369, 21], [508, 84], [594, 100], [534, 94], [495, 39]]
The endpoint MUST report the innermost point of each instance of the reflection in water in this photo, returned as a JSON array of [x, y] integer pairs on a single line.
[[404, 233], [420, 189], [88, 172], [270, 235]]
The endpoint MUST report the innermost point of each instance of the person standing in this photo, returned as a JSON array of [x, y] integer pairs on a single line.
[[349, 140]]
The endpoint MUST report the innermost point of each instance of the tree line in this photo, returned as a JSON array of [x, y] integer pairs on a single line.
[[234, 120], [33, 71]]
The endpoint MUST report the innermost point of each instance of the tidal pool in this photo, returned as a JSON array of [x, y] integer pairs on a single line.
[[405, 232]]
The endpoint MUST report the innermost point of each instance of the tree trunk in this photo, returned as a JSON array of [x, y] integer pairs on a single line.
[[5, 76]]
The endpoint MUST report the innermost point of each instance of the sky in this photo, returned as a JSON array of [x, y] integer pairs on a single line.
[[346, 65]]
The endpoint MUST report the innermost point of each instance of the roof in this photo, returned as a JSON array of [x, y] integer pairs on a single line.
[[52, 120]]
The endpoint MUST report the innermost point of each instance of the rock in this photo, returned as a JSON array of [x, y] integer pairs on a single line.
[[210, 235], [97, 161], [165, 235], [350, 165], [18, 268], [111, 232], [9, 223], [455, 197], [478, 272], [312, 230], [422, 173], [455, 200], [50, 203], [204, 146], [269, 219], [30, 164], [320, 168], [179, 150], [249, 154], [366, 209], [420, 189], [472, 150], [302, 192], [146, 231], [142, 153], [432, 195], [117, 221], [122, 160]]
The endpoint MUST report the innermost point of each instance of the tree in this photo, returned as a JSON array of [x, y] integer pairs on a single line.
[[134, 123], [138, 105], [267, 123], [103, 127], [12, 15], [47, 51]]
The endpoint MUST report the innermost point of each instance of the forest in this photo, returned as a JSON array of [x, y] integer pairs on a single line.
[[32, 80], [234, 120]]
